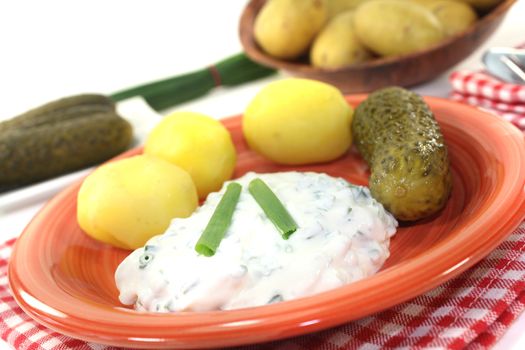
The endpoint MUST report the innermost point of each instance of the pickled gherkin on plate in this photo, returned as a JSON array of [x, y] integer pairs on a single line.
[[398, 136]]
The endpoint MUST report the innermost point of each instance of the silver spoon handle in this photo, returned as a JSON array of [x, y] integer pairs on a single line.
[[514, 65]]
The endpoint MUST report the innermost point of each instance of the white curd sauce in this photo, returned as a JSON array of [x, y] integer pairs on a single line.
[[343, 235]]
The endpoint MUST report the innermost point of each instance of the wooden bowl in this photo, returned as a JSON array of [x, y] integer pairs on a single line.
[[406, 70]]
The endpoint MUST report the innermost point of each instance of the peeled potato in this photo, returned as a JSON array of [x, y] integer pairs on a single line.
[[126, 202], [298, 121], [197, 143]]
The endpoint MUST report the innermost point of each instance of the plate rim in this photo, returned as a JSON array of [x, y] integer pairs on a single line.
[[270, 313]]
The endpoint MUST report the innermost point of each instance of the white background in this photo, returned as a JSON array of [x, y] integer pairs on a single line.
[[50, 49]]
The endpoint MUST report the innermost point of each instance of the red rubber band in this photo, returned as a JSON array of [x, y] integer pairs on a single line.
[[216, 75]]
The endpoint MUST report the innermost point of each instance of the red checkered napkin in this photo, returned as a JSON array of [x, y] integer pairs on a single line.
[[478, 88], [472, 310]]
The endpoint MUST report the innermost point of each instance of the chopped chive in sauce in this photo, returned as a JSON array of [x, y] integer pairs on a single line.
[[272, 207], [220, 221]]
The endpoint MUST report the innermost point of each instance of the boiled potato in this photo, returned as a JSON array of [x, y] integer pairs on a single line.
[[393, 27], [455, 16], [298, 121], [126, 202], [197, 143], [337, 45], [286, 28]]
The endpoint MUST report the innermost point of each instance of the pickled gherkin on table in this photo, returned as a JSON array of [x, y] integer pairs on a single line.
[[59, 137]]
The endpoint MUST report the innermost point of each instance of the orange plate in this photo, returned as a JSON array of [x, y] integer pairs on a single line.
[[64, 279]]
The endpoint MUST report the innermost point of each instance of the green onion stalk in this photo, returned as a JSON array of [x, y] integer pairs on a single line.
[[170, 92], [220, 221], [272, 207]]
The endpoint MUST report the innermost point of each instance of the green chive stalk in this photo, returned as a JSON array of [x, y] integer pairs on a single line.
[[272, 207], [220, 221], [170, 92]]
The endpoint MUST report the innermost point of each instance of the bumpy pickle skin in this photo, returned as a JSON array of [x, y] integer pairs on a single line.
[[397, 135], [38, 153]]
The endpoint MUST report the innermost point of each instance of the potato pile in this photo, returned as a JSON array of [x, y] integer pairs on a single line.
[[126, 202], [338, 33], [188, 155]]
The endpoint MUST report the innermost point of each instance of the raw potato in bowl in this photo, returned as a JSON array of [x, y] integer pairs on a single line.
[[393, 27], [330, 51], [381, 28], [286, 28]]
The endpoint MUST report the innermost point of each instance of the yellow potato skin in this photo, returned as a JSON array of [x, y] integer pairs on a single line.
[[126, 202], [298, 121], [335, 7], [286, 28], [454, 16], [197, 143], [393, 27], [337, 45]]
